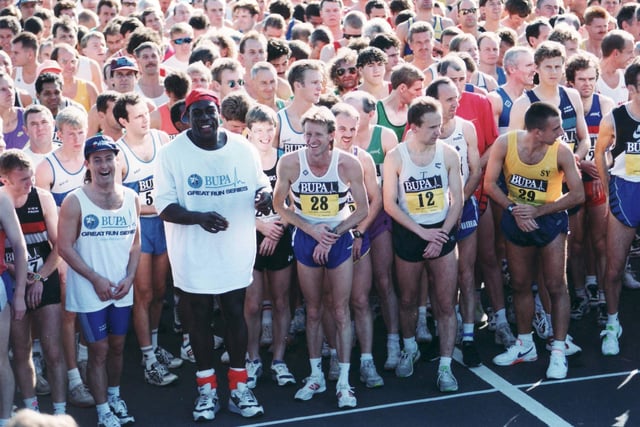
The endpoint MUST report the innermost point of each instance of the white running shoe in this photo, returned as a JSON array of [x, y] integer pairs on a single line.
[[610, 345], [186, 353], [346, 396], [281, 375], [570, 348], [558, 366], [254, 371], [207, 404], [517, 353], [312, 385], [423, 335], [242, 401]]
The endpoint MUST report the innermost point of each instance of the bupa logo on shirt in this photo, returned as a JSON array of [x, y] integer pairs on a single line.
[[91, 222], [216, 185]]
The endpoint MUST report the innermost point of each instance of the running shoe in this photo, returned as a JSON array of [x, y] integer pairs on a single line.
[[393, 357], [570, 348], [580, 308], [254, 371], [167, 359], [470, 356], [242, 401], [159, 375], [541, 324], [266, 337], [592, 292], [446, 382], [42, 385], [334, 367], [504, 336], [610, 335], [629, 278], [281, 375], [517, 353], [423, 335], [186, 353], [558, 366], [369, 376], [346, 396], [405, 365], [81, 397], [207, 404], [119, 409], [108, 420], [312, 385]]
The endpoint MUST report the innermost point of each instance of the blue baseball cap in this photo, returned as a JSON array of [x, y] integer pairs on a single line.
[[99, 143]]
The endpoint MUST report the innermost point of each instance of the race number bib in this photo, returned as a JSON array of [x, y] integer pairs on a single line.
[[425, 202], [320, 206], [632, 159]]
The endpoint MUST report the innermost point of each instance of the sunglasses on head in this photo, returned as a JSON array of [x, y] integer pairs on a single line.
[[183, 40], [341, 71], [232, 83]]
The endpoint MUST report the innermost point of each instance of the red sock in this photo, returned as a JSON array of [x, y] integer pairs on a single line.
[[236, 377], [213, 380]]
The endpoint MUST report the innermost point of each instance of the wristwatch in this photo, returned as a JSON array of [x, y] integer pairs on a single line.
[[357, 234], [510, 207], [37, 277]]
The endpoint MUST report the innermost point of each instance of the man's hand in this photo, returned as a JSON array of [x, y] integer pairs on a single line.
[[213, 222], [263, 202], [356, 248], [527, 225], [271, 229], [323, 235], [122, 288], [34, 293], [19, 307], [103, 288], [437, 235], [321, 254], [432, 250], [267, 247]]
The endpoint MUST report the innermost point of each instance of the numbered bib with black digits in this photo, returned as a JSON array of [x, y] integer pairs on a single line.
[[320, 206], [425, 202]]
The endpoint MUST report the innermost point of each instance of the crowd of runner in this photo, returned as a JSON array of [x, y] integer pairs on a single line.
[[289, 163]]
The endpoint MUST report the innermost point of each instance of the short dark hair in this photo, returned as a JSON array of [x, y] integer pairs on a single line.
[[626, 14], [204, 53], [371, 55], [283, 8], [102, 101], [522, 8], [614, 40], [235, 106], [578, 62], [419, 107], [34, 25], [538, 114], [178, 83], [277, 48], [533, 28], [320, 115], [176, 111], [120, 107], [10, 23], [141, 35], [13, 159], [385, 41], [299, 50], [433, 90], [130, 25], [45, 78], [27, 40], [199, 21], [631, 73]]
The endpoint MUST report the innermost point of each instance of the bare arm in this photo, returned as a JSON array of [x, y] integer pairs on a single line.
[[456, 194], [11, 226], [50, 213], [496, 106], [575, 196], [494, 168], [44, 175], [351, 171], [473, 159], [606, 138], [516, 118], [582, 133]]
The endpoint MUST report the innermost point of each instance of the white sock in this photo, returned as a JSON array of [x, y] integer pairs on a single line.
[[501, 316], [103, 409], [558, 345], [73, 376], [59, 408], [467, 331], [113, 392], [590, 280], [444, 362], [149, 356], [393, 341], [316, 367], [344, 373], [32, 403], [612, 319], [410, 344], [206, 373], [185, 340], [36, 347], [422, 311], [154, 338], [365, 356], [266, 312], [527, 339]]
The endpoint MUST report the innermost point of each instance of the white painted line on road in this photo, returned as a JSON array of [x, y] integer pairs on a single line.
[[629, 375], [513, 393], [372, 408]]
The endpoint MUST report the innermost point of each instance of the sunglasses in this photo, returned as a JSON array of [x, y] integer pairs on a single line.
[[341, 71], [351, 36], [468, 11], [232, 83], [183, 40], [129, 3]]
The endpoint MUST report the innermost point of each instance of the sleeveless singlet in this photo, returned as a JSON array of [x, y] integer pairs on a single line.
[[139, 175], [30, 88], [104, 242], [502, 76], [626, 149], [290, 139], [423, 191], [593, 118], [84, 69], [532, 184], [82, 95], [17, 138], [619, 93], [64, 181], [35, 233], [456, 140], [569, 117], [166, 124], [507, 103], [376, 151], [383, 120], [271, 174], [320, 199]]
